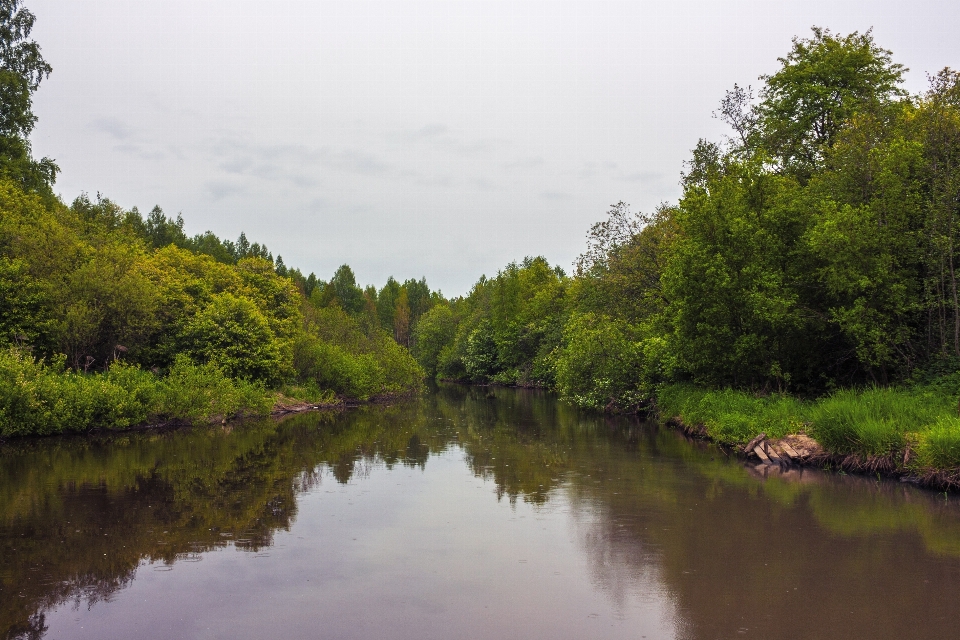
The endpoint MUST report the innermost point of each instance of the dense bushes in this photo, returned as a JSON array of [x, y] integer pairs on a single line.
[[85, 293], [337, 352], [601, 363], [43, 398]]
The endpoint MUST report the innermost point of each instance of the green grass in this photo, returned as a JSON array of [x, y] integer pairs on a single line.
[[731, 416], [939, 446], [876, 422], [867, 422]]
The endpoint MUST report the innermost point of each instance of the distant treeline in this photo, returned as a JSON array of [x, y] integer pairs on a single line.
[[817, 247], [395, 307]]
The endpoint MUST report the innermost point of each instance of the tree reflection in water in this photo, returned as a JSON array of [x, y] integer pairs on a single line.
[[652, 510]]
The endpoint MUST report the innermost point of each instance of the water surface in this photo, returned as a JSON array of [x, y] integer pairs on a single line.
[[459, 515]]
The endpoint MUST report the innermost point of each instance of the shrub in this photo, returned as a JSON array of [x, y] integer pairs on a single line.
[[198, 393], [232, 333], [39, 398], [601, 363], [354, 361]]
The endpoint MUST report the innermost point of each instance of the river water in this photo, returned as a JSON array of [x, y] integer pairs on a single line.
[[462, 514]]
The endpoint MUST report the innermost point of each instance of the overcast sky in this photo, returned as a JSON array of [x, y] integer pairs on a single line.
[[439, 139]]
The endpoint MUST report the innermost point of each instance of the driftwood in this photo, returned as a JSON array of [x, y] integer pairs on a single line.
[[753, 443]]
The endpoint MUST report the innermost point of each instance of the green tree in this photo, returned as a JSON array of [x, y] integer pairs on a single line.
[[23, 317], [344, 288], [437, 329], [233, 334], [823, 81], [387, 303], [22, 68]]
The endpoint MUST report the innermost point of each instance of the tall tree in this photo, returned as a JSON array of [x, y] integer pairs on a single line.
[[822, 82], [22, 68]]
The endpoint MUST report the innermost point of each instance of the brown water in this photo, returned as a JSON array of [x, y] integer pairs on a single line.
[[459, 516]]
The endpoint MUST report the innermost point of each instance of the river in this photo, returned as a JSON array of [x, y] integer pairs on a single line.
[[467, 513]]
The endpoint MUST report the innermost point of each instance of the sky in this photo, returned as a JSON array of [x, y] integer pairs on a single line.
[[439, 139]]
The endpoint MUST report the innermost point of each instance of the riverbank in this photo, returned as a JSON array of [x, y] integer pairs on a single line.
[[909, 433], [39, 398]]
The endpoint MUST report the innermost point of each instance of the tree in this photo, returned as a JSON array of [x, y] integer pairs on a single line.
[[437, 328], [822, 82], [387, 303], [234, 335], [22, 68], [348, 295], [401, 319]]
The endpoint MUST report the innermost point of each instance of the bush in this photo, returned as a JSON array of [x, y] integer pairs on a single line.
[[338, 353], [39, 398], [199, 393], [601, 363], [232, 333]]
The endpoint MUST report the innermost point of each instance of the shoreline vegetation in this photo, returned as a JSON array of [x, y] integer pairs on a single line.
[[906, 433], [805, 283]]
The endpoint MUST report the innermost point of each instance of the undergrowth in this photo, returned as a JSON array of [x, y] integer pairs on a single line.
[[42, 398]]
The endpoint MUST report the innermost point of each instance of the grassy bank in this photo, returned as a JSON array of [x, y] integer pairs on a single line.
[[915, 430]]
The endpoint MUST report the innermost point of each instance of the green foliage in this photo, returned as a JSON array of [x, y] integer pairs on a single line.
[[823, 82], [875, 421], [601, 364], [731, 416], [38, 398], [22, 68], [22, 317], [870, 422], [198, 393], [339, 353], [233, 334], [507, 328], [939, 448], [343, 286], [436, 329]]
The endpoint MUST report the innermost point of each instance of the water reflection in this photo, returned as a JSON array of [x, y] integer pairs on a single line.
[[716, 547]]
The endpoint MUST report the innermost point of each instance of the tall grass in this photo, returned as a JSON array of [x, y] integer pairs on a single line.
[[939, 447], [731, 416], [866, 422], [875, 422]]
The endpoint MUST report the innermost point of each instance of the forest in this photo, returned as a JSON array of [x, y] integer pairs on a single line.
[[806, 279]]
